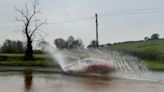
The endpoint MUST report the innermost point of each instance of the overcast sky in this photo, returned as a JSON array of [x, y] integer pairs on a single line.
[[76, 18]]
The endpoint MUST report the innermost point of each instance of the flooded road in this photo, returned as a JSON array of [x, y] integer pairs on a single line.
[[37, 82]]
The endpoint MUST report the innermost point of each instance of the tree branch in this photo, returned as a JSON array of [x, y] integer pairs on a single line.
[[27, 18], [35, 11], [36, 28], [27, 11], [22, 13]]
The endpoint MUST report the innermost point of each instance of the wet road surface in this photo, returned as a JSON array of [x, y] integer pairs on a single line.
[[39, 82]]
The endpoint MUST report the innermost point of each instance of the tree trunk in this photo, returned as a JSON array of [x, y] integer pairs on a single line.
[[29, 51]]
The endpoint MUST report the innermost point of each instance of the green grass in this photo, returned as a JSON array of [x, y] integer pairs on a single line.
[[24, 63], [141, 46], [149, 50], [154, 65], [21, 55], [17, 60]]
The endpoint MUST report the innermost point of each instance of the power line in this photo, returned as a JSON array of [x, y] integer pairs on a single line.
[[134, 13], [140, 9], [113, 13], [70, 21], [59, 22]]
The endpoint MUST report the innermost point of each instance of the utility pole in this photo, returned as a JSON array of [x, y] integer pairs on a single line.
[[97, 42]]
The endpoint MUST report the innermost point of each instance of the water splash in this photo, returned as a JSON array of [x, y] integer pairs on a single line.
[[124, 64], [57, 56]]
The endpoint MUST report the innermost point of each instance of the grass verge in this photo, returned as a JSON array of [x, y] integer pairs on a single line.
[[154, 65], [24, 63]]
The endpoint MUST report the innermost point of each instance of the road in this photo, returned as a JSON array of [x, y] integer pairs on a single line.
[[50, 82]]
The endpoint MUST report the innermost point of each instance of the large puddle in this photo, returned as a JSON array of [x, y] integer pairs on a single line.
[[39, 82]]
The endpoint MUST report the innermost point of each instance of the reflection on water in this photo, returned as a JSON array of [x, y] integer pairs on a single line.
[[32, 82], [28, 81]]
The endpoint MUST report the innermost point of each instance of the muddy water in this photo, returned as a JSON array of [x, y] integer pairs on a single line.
[[32, 82]]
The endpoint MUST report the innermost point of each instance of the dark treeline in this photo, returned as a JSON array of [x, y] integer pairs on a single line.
[[93, 44], [16, 46], [70, 43], [12, 46]]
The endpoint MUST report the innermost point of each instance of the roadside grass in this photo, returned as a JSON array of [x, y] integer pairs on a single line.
[[24, 63], [154, 65], [21, 55], [17, 60]]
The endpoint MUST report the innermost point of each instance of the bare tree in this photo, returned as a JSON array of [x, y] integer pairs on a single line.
[[31, 24], [60, 43], [43, 44], [71, 43]]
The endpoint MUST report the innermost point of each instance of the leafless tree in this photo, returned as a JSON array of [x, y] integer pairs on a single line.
[[60, 43], [43, 44], [71, 43], [31, 24]]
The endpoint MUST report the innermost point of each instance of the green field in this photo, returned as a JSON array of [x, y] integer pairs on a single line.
[[155, 46], [150, 50]]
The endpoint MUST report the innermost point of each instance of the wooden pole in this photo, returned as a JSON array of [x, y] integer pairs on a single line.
[[97, 41]]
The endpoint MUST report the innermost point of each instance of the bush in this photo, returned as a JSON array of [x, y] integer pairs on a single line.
[[154, 36]]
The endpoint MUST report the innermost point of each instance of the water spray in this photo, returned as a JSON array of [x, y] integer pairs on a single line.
[[96, 60]]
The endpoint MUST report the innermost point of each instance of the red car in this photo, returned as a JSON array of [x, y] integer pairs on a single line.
[[90, 65], [98, 65], [100, 68]]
